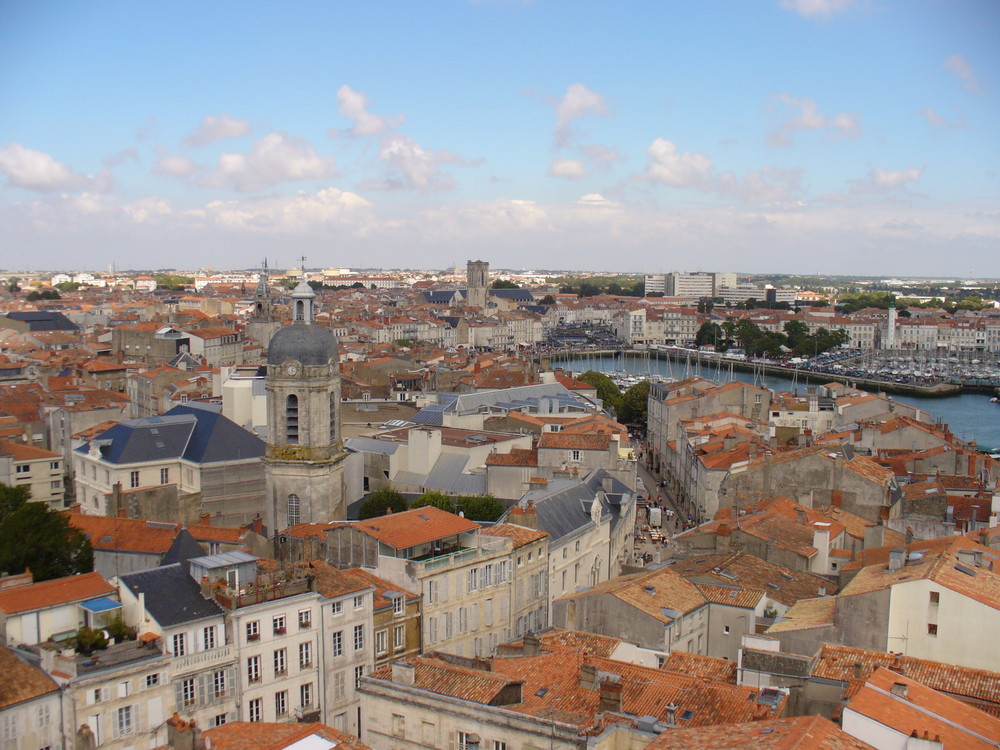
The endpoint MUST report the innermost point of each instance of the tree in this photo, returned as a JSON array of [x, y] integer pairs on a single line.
[[377, 503], [607, 391], [503, 284], [548, 299], [797, 332], [37, 537], [438, 500], [709, 333], [47, 294], [481, 507], [12, 498], [635, 403]]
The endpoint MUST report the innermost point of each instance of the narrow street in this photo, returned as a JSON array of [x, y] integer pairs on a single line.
[[650, 542]]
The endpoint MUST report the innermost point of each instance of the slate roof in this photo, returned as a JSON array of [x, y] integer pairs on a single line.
[[560, 506], [199, 434], [172, 596], [448, 474], [44, 321], [515, 295]]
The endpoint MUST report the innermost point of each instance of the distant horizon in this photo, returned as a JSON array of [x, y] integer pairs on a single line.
[[815, 136]]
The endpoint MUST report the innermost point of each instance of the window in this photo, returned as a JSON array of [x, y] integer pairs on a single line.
[[26, 469], [359, 602], [337, 608], [253, 669], [725, 630], [399, 726], [473, 582], [219, 683], [399, 637], [499, 745], [124, 723], [188, 695], [43, 717], [359, 672], [432, 592], [179, 646], [281, 703], [152, 680], [339, 689], [359, 637], [935, 597], [577, 545], [218, 721], [305, 618], [164, 476], [398, 605], [333, 417], [932, 628], [278, 625], [305, 654], [292, 418], [54, 465], [253, 710], [280, 662], [338, 643], [381, 641], [306, 695], [253, 630], [293, 510], [468, 741], [11, 726], [208, 637], [55, 484], [576, 455]]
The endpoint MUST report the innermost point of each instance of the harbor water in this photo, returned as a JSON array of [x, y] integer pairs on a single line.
[[971, 416]]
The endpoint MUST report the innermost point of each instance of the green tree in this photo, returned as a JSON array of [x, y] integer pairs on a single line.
[[503, 284], [797, 332], [548, 299], [377, 503], [36, 537], [635, 403], [68, 286], [607, 391], [481, 507], [12, 498], [45, 294], [438, 500], [710, 333]]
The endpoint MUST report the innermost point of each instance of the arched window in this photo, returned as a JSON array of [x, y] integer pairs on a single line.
[[293, 510], [292, 419], [300, 311]]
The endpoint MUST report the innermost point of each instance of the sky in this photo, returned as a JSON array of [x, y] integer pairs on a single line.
[[757, 136]]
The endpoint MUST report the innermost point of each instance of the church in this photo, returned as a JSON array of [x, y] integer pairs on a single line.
[[304, 458]]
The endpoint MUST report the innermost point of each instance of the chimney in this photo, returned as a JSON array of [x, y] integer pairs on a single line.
[[671, 710], [858, 667], [800, 516], [403, 673], [121, 511], [607, 482], [526, 517], [588, 676], [532, 645], [909, 535], [900, 689], [611, 697], [205, 519], [897, 558]]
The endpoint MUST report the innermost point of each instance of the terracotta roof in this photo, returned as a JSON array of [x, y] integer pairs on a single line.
[[654, 593], [800, 733], [516, 457], [382, 587], [22, 452], [909, 706], [519, 535], [571, 441], [977, 687], [257, 735], [52, 593], [413, 527], [806, 614], [697, 665], [332, 582], [558, 639], [21, 682]]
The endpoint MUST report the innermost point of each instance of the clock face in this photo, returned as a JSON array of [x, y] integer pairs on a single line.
[[292, 369]]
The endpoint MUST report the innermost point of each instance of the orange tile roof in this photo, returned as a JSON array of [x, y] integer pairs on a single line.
[[799, 733], [572, 441], [52, 593], [516, 457], [22, 452], [332, 582], [413, 527], [923, 710], [519, 535], [806, 614], [21, 681], [257, 735], [698, 665]]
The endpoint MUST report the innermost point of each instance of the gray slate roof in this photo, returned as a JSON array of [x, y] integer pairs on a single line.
[[172, 597]]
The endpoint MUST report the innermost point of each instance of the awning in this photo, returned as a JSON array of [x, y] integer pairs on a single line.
[[97, 606]]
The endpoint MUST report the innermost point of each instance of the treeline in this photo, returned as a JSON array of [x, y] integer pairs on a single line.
[[626, 286], [756, 341], [630, 406]]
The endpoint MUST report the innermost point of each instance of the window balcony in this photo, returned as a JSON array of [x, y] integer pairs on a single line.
[[202, 659]]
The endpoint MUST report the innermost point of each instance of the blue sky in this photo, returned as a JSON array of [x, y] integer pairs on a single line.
[[797, 136]]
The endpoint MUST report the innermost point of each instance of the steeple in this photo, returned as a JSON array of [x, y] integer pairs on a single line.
[[302, 299]]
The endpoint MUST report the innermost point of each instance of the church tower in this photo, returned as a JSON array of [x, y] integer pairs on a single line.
[[477, 280], [304, 459], [264, 320]]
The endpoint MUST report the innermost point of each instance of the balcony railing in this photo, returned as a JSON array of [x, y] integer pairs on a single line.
[[202, 659]]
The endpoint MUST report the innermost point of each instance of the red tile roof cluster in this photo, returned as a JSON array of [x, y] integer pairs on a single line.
[[257, 735], [411, 528], [52, 593]]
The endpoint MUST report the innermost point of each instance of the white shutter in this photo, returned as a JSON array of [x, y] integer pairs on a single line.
[[105, 694], [444, 588], [91, 700]]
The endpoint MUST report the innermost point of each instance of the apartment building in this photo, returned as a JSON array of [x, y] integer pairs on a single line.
[[39, 470]]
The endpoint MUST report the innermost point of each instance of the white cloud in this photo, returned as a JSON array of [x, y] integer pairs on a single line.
[[175, 166], [127, 154], [217, 128], [961, 68], [354, 106], [301, 213], [807, 117], [667, 166], [412, 167], [817, 8], [940, 121], [572, 169], [882, 181], [596, 199], [768, 185], [578, 102], [273, 159], [34, 170]]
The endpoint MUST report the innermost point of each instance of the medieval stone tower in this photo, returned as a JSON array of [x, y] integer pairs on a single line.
[[477, 281], [305, 454]]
